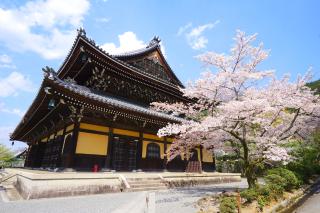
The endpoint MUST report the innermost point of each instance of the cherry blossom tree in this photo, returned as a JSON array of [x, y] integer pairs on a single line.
[[235, 105]]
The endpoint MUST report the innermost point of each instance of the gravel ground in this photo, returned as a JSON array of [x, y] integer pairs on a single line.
[[183, 199], [175, 200]]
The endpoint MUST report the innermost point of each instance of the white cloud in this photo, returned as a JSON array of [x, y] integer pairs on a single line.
[[194, 36], [15, 83], [4, 134], [128, 41], [184, 28], [103, 20], [6, 61], [14, 111], [46, 27]]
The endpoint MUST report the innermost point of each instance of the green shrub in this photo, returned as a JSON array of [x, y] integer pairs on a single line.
[[291, 181], [276, 191], [275, 179], [264, 191], [262, 201], [249, 194], [307, 159], [261, 193], [228, 205]]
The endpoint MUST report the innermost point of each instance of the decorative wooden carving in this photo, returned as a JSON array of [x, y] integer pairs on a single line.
[[100, 80], [152, 66]]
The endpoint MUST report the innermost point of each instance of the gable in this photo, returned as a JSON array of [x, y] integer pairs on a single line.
[[154, 63]]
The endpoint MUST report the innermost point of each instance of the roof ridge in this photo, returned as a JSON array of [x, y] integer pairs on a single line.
[[153, 44]]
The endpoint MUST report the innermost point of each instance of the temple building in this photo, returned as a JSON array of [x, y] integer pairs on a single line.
[[94, 112]]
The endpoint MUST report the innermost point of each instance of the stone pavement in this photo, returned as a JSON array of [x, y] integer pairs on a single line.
[[312, 204], [180, 200], [81, 204]]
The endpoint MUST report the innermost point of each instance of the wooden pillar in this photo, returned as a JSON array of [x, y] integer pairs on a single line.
[[28, 156], [53, 161], [201, 158], [214, 161], [139, 151], [165, 159], [59, 161], [71, 161], [108, 163]]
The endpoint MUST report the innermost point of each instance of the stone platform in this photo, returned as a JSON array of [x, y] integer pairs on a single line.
[[34, 184]]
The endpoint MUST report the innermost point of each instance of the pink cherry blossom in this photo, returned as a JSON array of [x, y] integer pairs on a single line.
[[236, 106]]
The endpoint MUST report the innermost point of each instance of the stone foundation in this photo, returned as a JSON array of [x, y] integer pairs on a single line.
[[34, 184], [194, 180], [34, 189]]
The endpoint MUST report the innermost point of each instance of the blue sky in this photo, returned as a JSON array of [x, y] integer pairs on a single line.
[[34, 34]]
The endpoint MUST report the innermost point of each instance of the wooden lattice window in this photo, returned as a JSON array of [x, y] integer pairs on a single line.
[[153, 151]]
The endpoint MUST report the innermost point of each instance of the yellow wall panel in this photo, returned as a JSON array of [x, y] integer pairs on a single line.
[[93, 144], [153, 137], [199, 156], [51, 136], [69, 128], [126, 132], [207, 156], [170, 140], [94, 127], [144, 149]]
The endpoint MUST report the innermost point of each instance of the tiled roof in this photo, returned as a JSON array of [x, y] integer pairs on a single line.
[[111, 101], [153, 45]]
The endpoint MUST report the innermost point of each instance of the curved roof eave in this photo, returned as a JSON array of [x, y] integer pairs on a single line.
[[117, 58]]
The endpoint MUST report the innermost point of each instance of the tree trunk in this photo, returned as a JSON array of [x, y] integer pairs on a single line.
[[250, 175], [249, 168]]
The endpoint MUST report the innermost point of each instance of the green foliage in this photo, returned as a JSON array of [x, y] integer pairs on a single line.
[[291, 181], [227, 157], [306, 163], [276, 180], [276, 191], [261, 193], [275, 184], [314, 86], [264, 191], [307, 158], [6, 155], [229, 163], [262, 201], [250, 194], [228, 205]]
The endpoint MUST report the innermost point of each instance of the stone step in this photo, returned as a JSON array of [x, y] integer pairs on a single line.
[[150, 188], [13, 194], [141, 185], [144, 179], [8, 178], [143, 182]]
